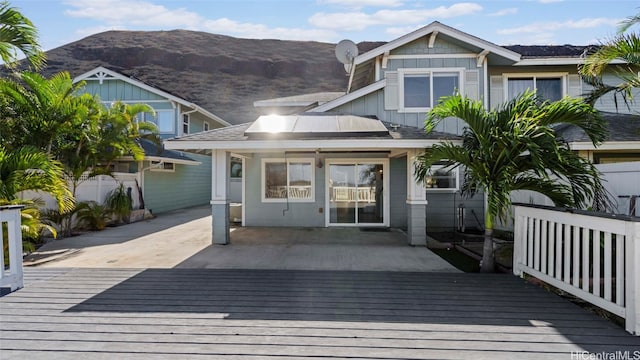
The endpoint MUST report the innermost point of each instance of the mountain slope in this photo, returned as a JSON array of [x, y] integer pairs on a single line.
[[225, 75]]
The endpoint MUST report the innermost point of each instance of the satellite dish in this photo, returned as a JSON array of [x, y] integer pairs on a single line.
[[346, 51]]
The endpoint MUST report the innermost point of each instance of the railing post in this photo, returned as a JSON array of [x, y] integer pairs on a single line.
[[518, 238], [12, 277], [632, 278]]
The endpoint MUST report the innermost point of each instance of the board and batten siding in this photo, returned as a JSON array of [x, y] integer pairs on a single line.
[[113, 90], [189, 185]]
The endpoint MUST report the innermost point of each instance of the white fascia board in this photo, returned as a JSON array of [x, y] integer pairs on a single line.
[[267, 103], [151, 89], [609, 145], [442, 29], [161, 159], [272, 145], [558, 61], [350, 96]]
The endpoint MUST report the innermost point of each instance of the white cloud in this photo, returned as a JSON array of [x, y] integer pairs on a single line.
[[144, 15], [363, 3], [539, 27], [399, 31], [504, 12], [549, 1], [97, 29], [359, 20]]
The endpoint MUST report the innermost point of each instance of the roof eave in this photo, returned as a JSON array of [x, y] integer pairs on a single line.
[[608, 145]]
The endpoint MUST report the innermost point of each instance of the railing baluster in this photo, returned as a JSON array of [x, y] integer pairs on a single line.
[[576, 256], [551, 266], [536, 244], [543, 246], [530, 241], [596, 262], [607, 266], [620, 269], [567, 253], [585, 258]]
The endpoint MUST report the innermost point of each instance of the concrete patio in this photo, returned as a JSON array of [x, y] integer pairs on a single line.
[[183, 239]]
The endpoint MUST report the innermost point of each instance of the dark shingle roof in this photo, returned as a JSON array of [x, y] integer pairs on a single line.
[[151, 149], [622, 127], [546, 51]]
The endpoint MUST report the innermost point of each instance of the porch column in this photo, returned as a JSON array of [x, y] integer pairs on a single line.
[[220, 161], [416, 205]]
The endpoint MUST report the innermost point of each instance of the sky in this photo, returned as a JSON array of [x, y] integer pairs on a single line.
[[504, 22]]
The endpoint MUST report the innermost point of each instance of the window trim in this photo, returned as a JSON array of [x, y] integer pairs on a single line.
[[543, 75], [154, 167], [437, 167], [173, 121], [288, 161], [425, 71]]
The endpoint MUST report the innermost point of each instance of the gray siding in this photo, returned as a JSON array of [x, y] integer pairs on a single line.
[[421, 46], [608, 103], [189, 185], [258, 213], [398, 192], [441, 211]]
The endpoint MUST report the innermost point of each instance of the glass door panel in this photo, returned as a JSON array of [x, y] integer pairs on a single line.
[[369, 194], [341, 199]]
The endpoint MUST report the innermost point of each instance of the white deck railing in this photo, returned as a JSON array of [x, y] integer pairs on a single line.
[[594, 257], [11, 236]]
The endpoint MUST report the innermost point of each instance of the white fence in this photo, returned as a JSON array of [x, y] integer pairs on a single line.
[[94, 189], [594, 257], [11, 237]]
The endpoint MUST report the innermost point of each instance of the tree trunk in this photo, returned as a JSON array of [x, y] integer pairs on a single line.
[[488, 260]]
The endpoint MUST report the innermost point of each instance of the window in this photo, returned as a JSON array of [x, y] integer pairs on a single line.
[[420, 90], [440, 178], [163, 166], [185, 123], [290, 180], [205, 126], [548, 87], [236, 168], [165, 121]]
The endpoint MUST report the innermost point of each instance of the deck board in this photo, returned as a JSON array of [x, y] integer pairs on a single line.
[[268, 314]]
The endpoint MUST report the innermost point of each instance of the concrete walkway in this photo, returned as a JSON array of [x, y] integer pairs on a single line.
[[182, 239]]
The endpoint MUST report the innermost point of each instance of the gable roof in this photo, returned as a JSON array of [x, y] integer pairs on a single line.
[[101, 73], [441, 29], [303, 100]]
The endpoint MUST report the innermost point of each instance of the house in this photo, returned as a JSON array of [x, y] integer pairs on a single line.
[[347, 160], [167, 179]]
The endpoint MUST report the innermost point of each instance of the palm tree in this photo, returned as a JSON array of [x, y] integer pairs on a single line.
[[514, 148], [17, 33], [28, 168], [626, 47]]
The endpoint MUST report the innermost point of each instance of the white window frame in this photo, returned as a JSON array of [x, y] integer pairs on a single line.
[[544, 75], [426, 72], [162, 166], [173, 121], [435, 168], [186, 120], [263, 185], [205, 126]]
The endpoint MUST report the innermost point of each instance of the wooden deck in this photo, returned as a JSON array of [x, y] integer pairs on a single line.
[[270, 314]]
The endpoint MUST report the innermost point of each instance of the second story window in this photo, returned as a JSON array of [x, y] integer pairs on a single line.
[[165, 121], [547, 87], [185, 123], [420, 89]]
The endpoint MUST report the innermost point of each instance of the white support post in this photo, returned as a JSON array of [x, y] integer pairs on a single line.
[[518, 240], [632, 278], [220, 161], [416, 205], [11, 276]]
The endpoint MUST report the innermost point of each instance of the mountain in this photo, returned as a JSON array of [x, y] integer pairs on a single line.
[[224, 75]]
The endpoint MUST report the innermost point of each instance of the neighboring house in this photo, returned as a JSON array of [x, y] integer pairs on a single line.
[[168, 179], [348, 160]]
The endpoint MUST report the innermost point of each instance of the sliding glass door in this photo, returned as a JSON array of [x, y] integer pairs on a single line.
[[355, 192]]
